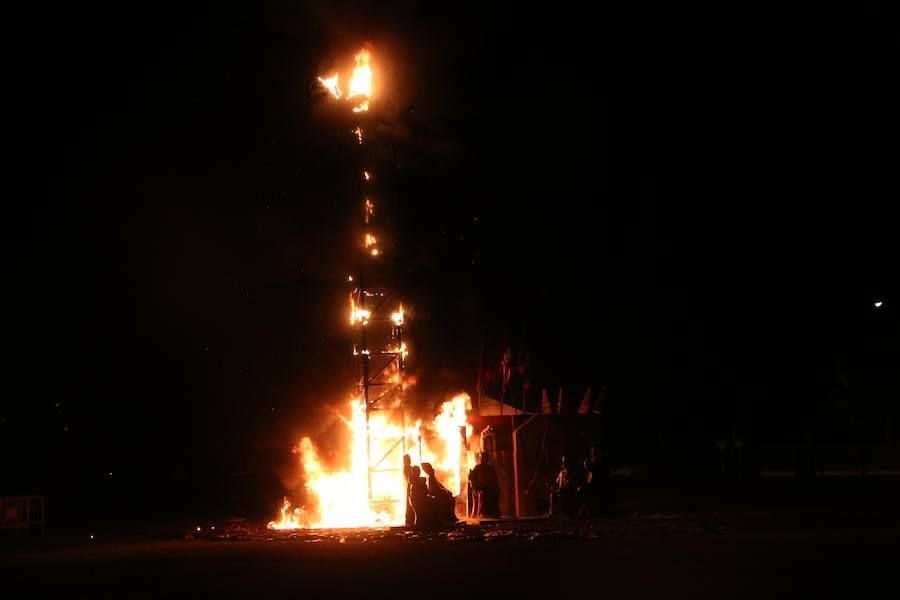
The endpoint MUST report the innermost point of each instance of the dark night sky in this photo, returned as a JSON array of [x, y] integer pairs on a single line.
[[702, 199]]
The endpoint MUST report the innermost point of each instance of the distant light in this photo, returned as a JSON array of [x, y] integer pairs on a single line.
[[350, 278], [374, 251], [92, 537], [110, 473], [878, 303], [198, 528]]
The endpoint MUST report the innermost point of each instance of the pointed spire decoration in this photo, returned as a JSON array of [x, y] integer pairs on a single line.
[[585, 403], [545, 403]]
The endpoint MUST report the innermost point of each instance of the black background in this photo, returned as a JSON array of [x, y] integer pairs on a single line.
[[693, 208]]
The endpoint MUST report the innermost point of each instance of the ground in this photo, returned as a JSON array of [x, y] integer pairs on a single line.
[[781, 554]]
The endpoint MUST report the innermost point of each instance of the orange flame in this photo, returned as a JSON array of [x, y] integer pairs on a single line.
[[402, 350], [361, 82], [358, 315], [360, 90], [341, 497], [331, 84], [370, 241]]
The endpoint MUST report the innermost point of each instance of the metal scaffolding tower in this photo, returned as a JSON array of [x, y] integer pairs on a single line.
[[380, 371], [380, 360]]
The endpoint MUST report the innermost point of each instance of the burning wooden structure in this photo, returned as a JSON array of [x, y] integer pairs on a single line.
[[372, 491]]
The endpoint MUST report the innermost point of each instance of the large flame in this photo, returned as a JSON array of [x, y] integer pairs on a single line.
[[360, 90], [397, 317], [340, 498], [361, 82]]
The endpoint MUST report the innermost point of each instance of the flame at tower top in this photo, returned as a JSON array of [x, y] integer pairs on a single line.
[[361, 83], [360, 90]]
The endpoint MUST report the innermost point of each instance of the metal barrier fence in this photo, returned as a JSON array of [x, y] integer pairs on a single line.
[[22, 514]]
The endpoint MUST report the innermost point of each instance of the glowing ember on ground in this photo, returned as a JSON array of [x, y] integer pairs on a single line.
[[340, 498]]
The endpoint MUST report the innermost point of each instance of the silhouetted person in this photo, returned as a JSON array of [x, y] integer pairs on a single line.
[[563, 492], [443, 499], [601, 484], [422, 503], [485, 489], [587, 491], [407, 477]]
